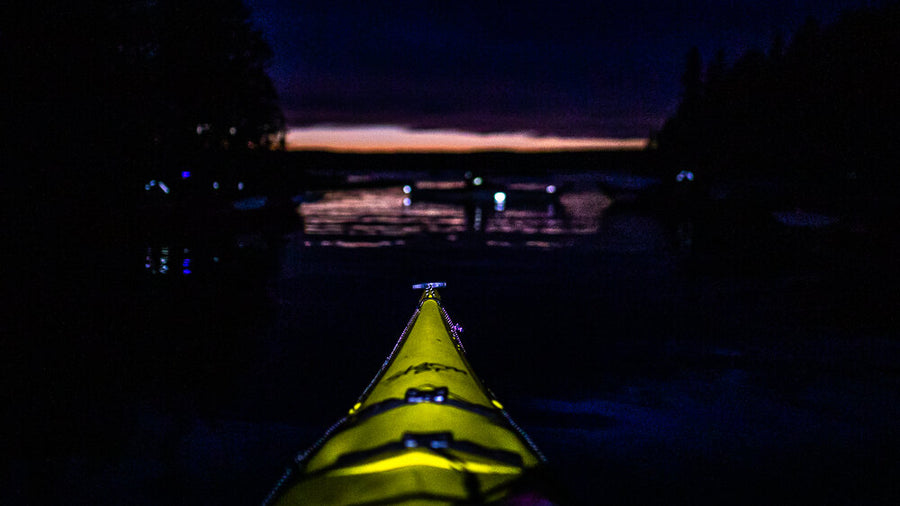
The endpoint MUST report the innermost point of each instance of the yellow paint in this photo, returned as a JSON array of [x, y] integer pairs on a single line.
[[425, 458]]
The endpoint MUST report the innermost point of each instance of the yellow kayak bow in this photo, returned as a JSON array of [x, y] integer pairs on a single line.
[[425, 431]]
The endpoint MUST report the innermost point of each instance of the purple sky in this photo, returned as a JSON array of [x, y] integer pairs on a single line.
[[581, 68]]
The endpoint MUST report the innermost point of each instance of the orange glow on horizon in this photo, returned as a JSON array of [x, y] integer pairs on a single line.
[[391, 139]]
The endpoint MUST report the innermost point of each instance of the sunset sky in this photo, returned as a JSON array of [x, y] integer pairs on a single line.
[[530, 74], [392, 138]]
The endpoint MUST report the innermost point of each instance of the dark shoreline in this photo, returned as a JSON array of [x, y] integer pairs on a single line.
[[761, 359]]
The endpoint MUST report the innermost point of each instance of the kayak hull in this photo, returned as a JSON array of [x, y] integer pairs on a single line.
[[425, 431]]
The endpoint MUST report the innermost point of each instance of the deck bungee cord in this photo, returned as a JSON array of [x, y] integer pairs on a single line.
[[425, 430]]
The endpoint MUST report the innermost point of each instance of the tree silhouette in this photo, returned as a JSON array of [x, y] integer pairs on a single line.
[[123, 79], [692, 80], [680, 137]]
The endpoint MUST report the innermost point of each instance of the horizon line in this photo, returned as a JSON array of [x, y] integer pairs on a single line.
[[385, 138]]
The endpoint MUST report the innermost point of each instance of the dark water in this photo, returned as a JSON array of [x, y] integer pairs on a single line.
[[651, 358]]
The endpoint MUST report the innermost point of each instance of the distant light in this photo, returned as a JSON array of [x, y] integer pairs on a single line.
[[186, 262], [186, 272], [407, 189], [468, 174], [407, 202], [499, 201], [215, 259], [185, 174], [152, 182], [240, 186], [215, 185], [163, 187], [232, 130], [551, 189], [477, 181], [684, 175], [147, 187]]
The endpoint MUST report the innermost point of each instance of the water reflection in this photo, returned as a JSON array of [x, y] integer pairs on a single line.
[[200, 256], [167, 260], [403, 216]]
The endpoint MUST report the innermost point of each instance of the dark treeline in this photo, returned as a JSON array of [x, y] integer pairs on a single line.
[[98, 98], [91, 84], [820, 111]]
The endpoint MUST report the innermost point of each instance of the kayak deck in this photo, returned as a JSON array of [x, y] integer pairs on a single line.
[[425, 431]]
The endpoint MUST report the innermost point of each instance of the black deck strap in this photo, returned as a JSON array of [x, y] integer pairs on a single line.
[[386, 405], [437, 441]]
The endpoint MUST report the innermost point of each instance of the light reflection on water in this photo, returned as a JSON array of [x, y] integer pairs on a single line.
[[192, 256], [574, 215], [379, 217]]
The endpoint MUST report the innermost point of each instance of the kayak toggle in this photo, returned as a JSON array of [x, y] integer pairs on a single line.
[[414, 395], [430, 290], [429, 286]]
